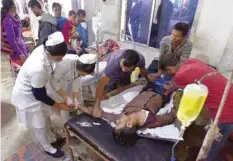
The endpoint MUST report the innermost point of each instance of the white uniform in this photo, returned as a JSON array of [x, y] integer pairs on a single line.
[[64, 77], [36, 73]]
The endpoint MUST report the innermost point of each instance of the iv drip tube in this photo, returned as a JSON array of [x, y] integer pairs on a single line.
[[174, 146]]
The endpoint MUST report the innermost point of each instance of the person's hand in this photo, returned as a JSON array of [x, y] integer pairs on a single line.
[[69, 102], [153, 76], [63, 106], [97, 112], [105, 97], [76, 103], [168, 85], [23, 58]]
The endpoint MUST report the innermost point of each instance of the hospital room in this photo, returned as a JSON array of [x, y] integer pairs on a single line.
[[116, 80]]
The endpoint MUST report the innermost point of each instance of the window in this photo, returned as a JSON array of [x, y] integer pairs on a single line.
[[148, 21]]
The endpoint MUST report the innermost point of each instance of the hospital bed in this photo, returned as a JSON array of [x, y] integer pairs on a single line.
[[96, 134]]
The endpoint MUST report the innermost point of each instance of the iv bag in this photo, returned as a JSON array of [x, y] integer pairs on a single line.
[[191, 103]]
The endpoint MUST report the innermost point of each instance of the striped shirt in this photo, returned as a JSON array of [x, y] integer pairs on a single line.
[[182, 51]]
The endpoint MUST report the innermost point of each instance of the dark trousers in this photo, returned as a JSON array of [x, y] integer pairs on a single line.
[[225, 129], [153, 67]]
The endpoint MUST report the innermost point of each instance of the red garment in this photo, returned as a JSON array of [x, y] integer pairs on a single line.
[[109, 46], [67, 30], [17, 62], [192, 70]]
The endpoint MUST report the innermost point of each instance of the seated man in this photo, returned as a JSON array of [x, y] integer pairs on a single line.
[[176, 44]]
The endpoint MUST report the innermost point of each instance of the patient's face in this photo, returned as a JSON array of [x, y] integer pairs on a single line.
[[126, 121]]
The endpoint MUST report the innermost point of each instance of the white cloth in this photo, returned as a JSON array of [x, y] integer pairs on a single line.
[[117, 103], [165, 132], [88, 58], [35, 72]]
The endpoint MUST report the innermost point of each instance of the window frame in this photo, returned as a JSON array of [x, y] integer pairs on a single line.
[[192, 29]]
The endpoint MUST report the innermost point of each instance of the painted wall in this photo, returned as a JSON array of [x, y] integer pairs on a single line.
[[212, 36]]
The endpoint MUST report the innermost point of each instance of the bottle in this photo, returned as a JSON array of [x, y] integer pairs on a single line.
[[191, 104], [135, 74]]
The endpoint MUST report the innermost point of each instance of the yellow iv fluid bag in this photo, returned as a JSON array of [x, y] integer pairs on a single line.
[[134, 75], [191, 103]]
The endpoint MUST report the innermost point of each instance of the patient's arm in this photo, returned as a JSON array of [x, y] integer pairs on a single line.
[[162, 120], [105, 115], [85, 110]]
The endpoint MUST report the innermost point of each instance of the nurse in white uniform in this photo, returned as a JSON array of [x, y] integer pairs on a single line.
[[65, 81], [29, 93]]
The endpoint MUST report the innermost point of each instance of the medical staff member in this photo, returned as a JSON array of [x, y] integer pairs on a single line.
[[65, 82], [29, 93], [192, 70]]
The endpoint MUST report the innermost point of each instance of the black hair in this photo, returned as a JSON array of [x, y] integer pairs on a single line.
[[182, 27], [6, 6], [81, 12], [56, 50], [167, 60], [56, 5], [126, 136], [25, 23], [72, 12], [87, 68], [34, 3], [131, 58]]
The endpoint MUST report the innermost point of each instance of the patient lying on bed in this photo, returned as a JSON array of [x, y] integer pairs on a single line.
[[141, 111]]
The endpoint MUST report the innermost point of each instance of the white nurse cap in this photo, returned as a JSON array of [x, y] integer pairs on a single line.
[[55, 39], [88, 58]]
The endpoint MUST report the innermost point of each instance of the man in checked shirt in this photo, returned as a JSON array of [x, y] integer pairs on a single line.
[[177, 44]]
